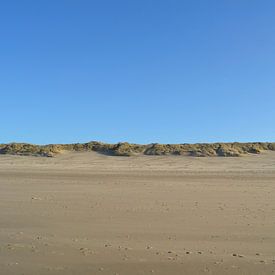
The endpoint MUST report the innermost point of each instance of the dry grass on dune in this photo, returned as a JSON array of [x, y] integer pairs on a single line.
[[127, 149]]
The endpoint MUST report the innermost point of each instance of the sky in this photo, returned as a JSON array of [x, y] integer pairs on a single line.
[[176, 71]]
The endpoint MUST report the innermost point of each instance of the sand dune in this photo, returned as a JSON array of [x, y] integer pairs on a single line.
[[89, 213], [230, 149]]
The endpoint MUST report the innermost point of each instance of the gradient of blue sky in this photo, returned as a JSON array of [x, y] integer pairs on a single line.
[[140, 71]]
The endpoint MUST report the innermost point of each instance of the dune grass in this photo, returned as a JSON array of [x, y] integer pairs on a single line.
[[234, 149]]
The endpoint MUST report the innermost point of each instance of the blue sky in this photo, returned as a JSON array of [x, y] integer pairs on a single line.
[[141, 71]]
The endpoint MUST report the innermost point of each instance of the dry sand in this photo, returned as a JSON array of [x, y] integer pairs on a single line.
[[86, 213]]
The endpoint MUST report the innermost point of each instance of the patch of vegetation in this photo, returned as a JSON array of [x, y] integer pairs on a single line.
[[127, 149]]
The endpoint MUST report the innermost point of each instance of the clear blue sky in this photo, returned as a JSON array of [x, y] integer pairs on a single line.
[[140, 71]]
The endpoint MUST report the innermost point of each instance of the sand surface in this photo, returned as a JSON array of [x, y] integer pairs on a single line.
[[86, 213]]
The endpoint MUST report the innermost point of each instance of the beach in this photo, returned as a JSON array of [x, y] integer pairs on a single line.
[[90, 213]]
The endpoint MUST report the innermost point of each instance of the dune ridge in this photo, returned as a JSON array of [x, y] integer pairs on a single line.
[[231, 149]]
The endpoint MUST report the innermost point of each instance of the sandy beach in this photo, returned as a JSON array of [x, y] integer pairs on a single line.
[[88, 213]]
